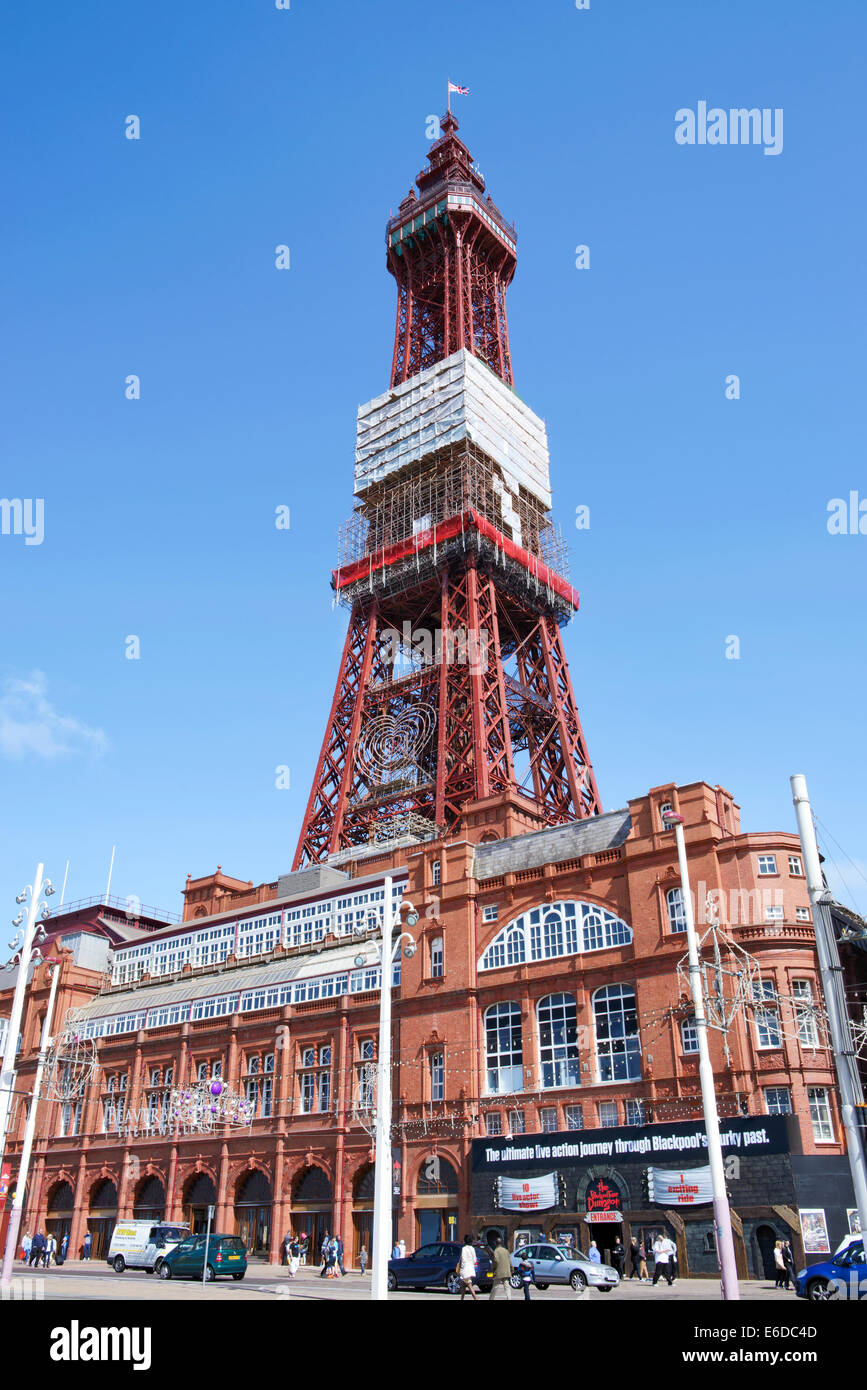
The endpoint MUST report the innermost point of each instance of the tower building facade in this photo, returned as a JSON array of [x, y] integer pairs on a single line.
[[453, 684]]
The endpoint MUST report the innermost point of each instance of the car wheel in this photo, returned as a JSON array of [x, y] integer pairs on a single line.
[[515, 1281], [119, 1264], [577, 1281], [236, 1277], [157, 1267], [392, 1282], [605, 1288], [453, 1282], [210, 1274], [541, 1286], [165, 1271], [820, 1290]]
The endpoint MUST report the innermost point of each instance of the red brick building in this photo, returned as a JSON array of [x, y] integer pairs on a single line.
[[544, 998]]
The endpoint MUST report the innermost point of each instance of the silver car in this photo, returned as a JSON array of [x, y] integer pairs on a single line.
[[560, 1264]]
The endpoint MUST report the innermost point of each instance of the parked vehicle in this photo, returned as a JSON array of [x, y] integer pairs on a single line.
[[227, 1255], [560, 1264], [843, 1276], [436, 1265], [143, 1244]]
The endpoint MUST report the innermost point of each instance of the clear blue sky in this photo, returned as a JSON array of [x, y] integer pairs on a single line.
[[305, 127]]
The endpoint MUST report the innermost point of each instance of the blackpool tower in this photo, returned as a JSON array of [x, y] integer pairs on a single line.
[[453, 685]]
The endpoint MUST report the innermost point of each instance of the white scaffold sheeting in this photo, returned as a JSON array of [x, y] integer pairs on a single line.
[[458, 398]]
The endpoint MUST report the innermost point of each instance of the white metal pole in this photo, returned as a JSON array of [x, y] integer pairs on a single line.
[[207, 1243], [65, 877], [831, 973], [381, 1241], [7, 1078], [110, 871], [29, 1132], [721, 1212]]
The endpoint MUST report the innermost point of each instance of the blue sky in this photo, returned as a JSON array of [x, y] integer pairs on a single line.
[[156, 257]]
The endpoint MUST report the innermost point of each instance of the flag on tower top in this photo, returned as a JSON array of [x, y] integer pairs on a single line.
[[461, 91]]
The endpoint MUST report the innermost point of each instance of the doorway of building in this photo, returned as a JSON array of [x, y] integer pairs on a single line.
[[102, 1217], [606, 1234], [312, 1204], [436, 1201], [253, 1214], [200, 1194], [362, 1214], [766, 1238]]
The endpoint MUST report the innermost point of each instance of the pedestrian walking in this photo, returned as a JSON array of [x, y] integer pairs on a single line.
[[25, 1247], [663, 1249], [528, 1276], [332, 1258], [88, 1245], [789, 1261], [779, 1265], [593, 1254], [502, 1269], [362, 1258], [323, 1255], [339, 1254], [64, 1246], [634, 1258], [37, 1248], [673, 1265], [284, 1249], [294, 1257], [50, 1248], [402, 1247], [618, 1257], [395, 1253], [643, 1276], [305, 1246], [466, 1269]]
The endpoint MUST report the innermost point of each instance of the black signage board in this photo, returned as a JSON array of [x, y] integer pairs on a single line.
[[750, 1136]]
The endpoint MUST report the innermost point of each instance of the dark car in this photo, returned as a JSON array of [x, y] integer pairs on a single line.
[[436, 1265], [227, 1255], [843, 1276]]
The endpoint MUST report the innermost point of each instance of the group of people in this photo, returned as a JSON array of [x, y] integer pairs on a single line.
[[784, 1265], [42, 1249]]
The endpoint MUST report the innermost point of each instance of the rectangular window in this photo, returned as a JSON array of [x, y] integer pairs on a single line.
[[634, 1112], [820, 1114], [767, 1017], [516, 1121], [796, 868], [802, 914], [548, 1119], [607, 1113], [774, 914], [438, 1076], [324, 1091], [689, 1034], [436, 958], [308, 1091], [493, 1122], [252, 1092], [491, 912], [574, 1117], [267, 1096], [808, 1032], [778, 1100], [767, 863]]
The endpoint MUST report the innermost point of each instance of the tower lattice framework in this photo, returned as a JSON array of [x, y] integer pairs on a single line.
[[453, 684]]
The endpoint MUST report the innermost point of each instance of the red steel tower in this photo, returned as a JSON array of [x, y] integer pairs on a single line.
[[453, 684]]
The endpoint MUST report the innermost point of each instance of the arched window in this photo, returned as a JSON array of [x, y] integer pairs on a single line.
[[558, 1040], [503, 1049], [618, 1050], [689, 1034], [314, 1185], [436, 1177], [558, 929], [676, 914]]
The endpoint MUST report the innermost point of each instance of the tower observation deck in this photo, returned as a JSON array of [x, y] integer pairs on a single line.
[[453, 684]]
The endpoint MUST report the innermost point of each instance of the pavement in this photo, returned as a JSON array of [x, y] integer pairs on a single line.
[[90, 1280]]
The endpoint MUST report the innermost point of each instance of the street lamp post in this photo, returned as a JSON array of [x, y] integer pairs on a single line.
[[721, 1213], [389, 951], [23, 943], [29, 1132]]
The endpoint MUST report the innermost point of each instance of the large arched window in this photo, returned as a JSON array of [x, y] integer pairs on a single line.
[[557, 929], [558, 1040], [503, 1049], [618, 1050], [676, 914]]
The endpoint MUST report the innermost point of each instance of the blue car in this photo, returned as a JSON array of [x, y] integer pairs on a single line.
[[843, 1276], [436, 1266]]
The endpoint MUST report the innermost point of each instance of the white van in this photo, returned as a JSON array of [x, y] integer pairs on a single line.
[[143, 1244]]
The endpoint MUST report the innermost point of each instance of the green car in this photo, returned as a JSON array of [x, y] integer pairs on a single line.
[[227, 1255]]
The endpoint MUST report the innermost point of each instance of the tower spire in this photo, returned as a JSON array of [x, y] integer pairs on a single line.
[[453, 256]]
